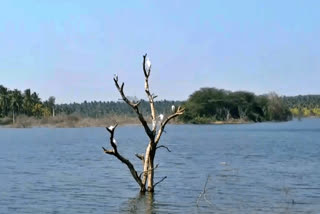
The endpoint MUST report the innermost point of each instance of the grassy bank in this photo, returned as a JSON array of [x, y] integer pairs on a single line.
[[232, 121], [73, 121], [66, 121]]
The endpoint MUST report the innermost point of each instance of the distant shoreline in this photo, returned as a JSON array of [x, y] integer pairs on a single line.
[[231, 122], [71, 121]]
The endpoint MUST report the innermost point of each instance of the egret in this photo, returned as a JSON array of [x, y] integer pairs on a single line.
[[153, 124], [173, 109], [148, 64], [161, 117], [111, 128], [114, 141]]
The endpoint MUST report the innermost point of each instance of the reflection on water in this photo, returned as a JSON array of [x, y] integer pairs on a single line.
[[142, 203], [253, 168]]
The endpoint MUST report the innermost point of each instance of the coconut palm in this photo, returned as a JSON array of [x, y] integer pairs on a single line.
[[51, 103], [15, 102], [27, 102], [4, 100]]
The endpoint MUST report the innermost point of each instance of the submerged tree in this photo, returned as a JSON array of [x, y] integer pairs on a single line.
[[145, 179]]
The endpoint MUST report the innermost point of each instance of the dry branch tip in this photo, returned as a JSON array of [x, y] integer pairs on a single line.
[[159, 181], [162, 146]]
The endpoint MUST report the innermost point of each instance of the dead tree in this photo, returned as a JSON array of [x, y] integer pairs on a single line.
[[145, 179]]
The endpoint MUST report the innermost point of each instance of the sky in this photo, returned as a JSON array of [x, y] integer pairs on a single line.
[[71, 49]]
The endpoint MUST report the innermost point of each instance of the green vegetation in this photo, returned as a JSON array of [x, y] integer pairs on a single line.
[[209, 105], [304, 106], [13, 103]]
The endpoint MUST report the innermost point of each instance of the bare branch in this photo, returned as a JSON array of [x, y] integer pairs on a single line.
[[115, 152], [146, 73], [147, 90], [203, 193], [144, 172], [111, 128], [154, 96], [179, 112], [135, 108], [110, 152], [159, 181], [140, 156], [162, 146], [137, 104]]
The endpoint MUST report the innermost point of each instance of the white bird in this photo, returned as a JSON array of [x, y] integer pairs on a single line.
[[153, 124], [114, 141], [173, 108], [148, 64], [111, 128], [161, 117]]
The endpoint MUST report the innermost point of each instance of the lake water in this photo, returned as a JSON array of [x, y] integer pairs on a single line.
[[252, 168]]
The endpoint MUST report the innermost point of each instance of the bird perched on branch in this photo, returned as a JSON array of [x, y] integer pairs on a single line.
[[111, 128], [148, 65], [114, 141], [153, 124], [161, 117], [173, 109]]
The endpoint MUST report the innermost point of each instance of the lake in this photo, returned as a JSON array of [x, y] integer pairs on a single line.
[[252, 168]]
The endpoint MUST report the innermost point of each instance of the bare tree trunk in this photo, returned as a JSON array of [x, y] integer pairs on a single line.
[[13, 118], [151, 171], [146, 164]]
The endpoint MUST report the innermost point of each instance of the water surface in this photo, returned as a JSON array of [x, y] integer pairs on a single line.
[[252, 168]]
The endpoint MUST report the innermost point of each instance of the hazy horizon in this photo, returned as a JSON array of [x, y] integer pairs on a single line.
[[71, 50]]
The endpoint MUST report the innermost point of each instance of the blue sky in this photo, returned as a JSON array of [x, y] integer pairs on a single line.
[[71, 49]]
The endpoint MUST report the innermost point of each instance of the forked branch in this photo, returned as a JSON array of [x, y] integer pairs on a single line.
[[134, 106], [203, 193]]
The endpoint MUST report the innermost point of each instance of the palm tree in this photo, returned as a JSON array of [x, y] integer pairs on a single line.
[[15, 102], [4, 99], [27, 102], [35, 98], [51, 103]]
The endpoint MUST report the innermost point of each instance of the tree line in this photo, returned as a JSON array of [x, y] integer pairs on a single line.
[[97, 109], [210, 104], [14, 102], [203, 106], [304, 105]]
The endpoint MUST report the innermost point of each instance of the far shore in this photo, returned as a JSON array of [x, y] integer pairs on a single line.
[[231, 122], [72, 121], [66, 121]]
